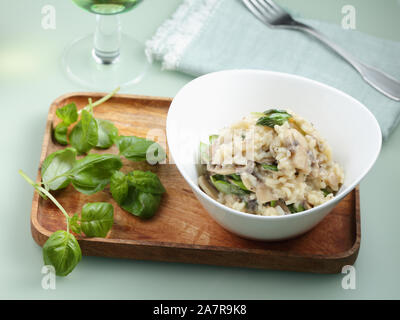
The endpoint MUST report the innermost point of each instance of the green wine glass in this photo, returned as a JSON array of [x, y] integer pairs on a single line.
[[107, 58]]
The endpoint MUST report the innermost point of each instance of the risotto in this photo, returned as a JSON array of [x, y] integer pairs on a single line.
[[272, 163]]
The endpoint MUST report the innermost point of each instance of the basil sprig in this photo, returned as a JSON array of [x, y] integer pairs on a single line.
[[89, 175], [84, 136], [96, 219], [89, 132], [55, 167], [273, 117], [68, 114], [92, 173], [62, 250], [137, 192], [107, 134]]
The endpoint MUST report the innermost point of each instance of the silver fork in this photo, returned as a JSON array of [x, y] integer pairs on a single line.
[[274, 16]]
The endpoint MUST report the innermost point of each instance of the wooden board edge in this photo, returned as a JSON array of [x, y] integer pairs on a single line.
[[66, 96]]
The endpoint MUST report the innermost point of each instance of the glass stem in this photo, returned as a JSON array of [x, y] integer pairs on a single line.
[[107, 39]]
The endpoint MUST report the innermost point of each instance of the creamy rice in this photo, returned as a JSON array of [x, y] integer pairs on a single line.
[[270, 170]]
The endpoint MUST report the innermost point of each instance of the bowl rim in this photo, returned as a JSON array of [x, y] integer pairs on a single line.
[[318, 208]]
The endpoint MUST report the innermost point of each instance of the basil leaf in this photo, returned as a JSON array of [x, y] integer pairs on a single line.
[[62, 251], [119, 186], [73, 223], [226, 187], [60, 133], [146, 181], [274, 117], [240, 184], [55, 167], [141, 204], [68, 113], [107, 134], [84, 136], [326, 191], [97, 219], [295, 208], [270, 167], [92, 173], [135, 148]]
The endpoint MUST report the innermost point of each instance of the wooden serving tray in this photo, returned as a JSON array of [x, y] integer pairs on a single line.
[[182, 231]]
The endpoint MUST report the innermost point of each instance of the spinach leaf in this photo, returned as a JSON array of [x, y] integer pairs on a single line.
[[68, 113], [55, 167], [119, 186], [226, 187], [240, 184], [84, 136], [274, 117], [138, 149], [326, 191], [295, 208], [62, 251], [146, 182], [141, 204], [92, 173], [97, 219], [270, 167], [60, 133], [107, 134]]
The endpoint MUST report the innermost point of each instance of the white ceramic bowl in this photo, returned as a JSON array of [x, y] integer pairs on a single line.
[[219, 99]]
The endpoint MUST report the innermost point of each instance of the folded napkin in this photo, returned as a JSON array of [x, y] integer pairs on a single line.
[[204, 36]]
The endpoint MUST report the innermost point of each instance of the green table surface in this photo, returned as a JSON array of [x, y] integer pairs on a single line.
[[31, 78]]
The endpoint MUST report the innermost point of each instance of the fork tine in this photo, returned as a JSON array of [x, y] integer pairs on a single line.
[[260, 12], [267, 6], [274, 6]]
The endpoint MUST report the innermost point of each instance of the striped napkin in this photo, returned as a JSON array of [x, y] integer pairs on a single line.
[[203, 36]]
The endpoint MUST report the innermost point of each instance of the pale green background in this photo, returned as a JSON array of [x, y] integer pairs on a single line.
[[30, 78]]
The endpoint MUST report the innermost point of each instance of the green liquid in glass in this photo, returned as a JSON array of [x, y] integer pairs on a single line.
[[107, 6]]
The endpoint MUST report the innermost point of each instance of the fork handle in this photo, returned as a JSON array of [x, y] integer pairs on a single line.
[[377, 79]]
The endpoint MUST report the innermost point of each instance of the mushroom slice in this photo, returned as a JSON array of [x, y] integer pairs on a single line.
[[298, 146], [206, 186], [222, 170], [283, 205], [333, 181], [264, 193], [249, 167], [249, 181], [252, 205], [306, 205]]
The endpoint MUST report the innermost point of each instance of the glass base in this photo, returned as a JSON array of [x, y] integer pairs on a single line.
[[129, 68]]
